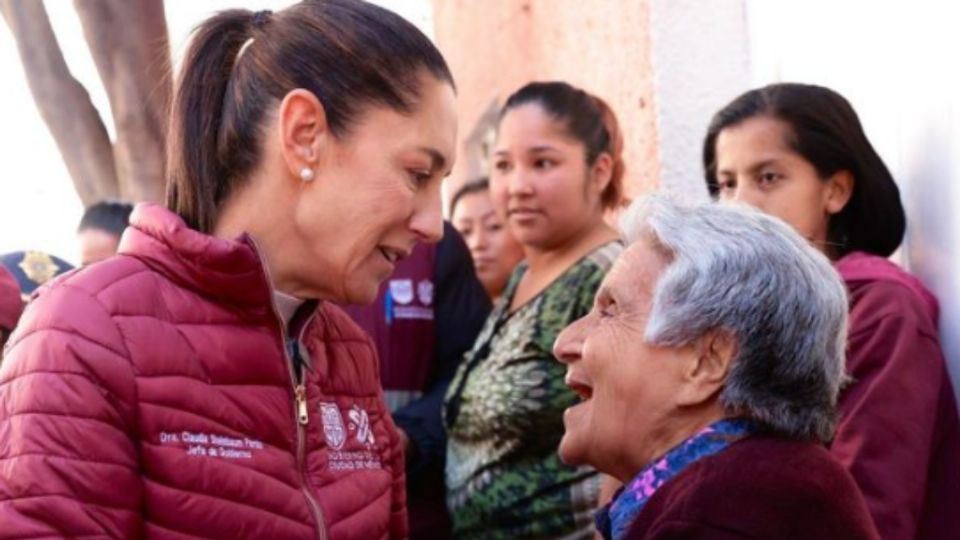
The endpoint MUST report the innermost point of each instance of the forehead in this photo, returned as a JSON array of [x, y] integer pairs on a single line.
[[635, 273], [531, 125], [473, 203], [431, 124], [754, 139]]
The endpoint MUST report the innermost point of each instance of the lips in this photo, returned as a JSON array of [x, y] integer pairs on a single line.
[[579, 385], [523, 212], [393, 255]]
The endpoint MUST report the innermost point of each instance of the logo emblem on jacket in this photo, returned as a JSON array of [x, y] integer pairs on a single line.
[[333, 430], [401, 290], [425, 292], [360, 423]]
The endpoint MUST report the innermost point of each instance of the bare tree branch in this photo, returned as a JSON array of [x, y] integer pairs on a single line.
[[63, 102], [130, 47]]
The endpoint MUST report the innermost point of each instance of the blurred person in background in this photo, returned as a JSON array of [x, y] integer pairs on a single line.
[[11, 305], [426, 316], [100, 229], [33, 268], [799, 152], [557, 169], [201, 382], [495, 251], [699, 389]]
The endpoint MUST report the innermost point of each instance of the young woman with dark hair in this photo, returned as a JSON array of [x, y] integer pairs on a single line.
[[494, 250], [202, 383], [557, 168], [799, 152]]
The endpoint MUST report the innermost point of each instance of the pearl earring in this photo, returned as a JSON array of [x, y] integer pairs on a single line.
[[306, 174]]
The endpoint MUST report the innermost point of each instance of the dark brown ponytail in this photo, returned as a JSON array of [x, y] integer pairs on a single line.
[[240, 64]]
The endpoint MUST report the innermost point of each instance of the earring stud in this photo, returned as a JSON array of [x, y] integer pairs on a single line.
[[306, 174]]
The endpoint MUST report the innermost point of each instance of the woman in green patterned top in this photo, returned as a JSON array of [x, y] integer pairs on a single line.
[[557, 169]]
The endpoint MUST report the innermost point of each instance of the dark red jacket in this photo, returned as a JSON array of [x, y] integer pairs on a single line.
[[762, 488], [151, 395], [11, 305], [898, 434]]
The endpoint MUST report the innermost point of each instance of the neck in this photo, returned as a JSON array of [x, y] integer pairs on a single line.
[[540, 260], [656, 445], [248, 211]]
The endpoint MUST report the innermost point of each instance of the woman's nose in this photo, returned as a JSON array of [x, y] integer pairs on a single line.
[[518, 183], [569, 344], [427, 221]]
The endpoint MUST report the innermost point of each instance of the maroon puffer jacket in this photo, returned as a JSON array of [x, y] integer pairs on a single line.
[[151, 395]]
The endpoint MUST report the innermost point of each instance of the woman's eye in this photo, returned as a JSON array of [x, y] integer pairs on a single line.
[[726, 184], [769, 177], [607, 310], [501, 166], [420, 177], [543, 163]]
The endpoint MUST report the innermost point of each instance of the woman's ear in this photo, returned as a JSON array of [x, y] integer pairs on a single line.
[[839, 190], [706, 374], [303, 132], [601, 173]]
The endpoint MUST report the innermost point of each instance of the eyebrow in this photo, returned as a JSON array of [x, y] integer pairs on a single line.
[[754, 166], [534, 150]]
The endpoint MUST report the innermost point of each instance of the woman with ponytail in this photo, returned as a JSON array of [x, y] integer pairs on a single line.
[[200, 383], [557, 169]]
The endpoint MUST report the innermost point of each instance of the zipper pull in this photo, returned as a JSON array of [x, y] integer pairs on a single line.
[[301, 394]]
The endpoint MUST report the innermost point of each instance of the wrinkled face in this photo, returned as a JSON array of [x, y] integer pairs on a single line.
[[541, 179], [96, 245], [375, 195], [627, 386], [755, 165], [494, 249]]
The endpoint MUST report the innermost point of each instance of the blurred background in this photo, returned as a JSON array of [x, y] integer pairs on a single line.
[[80, 120]]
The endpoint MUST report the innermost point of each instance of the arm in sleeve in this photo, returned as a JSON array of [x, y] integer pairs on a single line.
[[462, 306], [889, 413], [68, 460]]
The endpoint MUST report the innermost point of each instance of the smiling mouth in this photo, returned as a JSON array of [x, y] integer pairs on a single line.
[[583, 390], [391, 255]]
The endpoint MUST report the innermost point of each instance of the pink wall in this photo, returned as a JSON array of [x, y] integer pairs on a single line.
[[603, 46]]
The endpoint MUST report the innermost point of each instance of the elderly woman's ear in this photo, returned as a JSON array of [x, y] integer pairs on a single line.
[[706, 371]]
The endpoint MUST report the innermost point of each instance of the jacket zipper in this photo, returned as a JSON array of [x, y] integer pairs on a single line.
[[303, 418], [301, 414]]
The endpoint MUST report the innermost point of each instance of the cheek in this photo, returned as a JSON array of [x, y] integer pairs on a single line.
[[498, 195]]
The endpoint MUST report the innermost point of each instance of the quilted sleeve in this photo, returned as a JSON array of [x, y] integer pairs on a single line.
[[889, 415], [68, 456]]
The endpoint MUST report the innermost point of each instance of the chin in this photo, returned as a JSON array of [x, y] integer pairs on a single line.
[[362, 296], [569, 453]]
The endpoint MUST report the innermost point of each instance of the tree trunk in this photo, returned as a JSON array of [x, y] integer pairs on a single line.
[[63, 102], [130, 47]]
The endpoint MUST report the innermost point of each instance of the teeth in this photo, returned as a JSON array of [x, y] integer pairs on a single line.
[[390, 255]]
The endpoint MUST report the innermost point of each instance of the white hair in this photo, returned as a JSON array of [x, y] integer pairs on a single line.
[[736, 269]]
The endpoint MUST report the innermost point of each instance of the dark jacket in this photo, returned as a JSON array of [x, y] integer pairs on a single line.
[[426, 316], [898, 434], [762, 488]]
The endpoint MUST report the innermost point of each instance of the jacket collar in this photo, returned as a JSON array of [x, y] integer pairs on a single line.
[[227, 270], [864, 267]]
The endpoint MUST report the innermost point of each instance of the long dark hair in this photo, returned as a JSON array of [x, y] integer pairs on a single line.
[[587, 118], [347, 52], [825, 131]]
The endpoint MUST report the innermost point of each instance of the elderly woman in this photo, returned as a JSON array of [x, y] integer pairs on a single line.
[[708, 369]]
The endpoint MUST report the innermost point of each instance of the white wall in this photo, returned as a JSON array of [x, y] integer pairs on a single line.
[[897, 64], [700, 62]]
